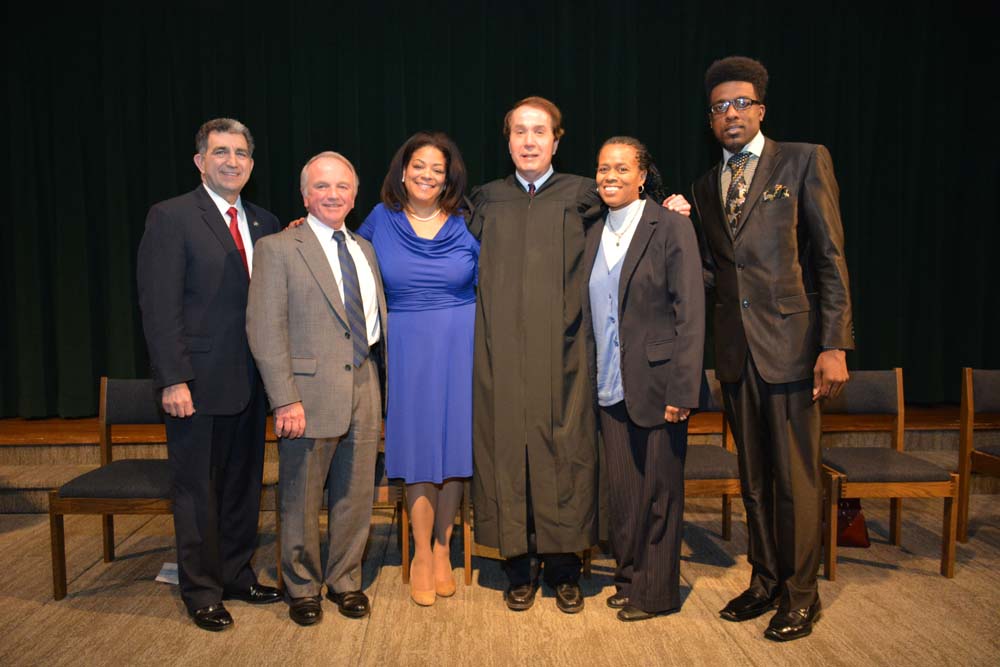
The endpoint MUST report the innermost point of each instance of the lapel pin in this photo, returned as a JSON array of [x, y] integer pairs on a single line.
[[255, 224]]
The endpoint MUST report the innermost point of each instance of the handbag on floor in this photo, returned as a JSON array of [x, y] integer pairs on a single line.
[[852, 531]]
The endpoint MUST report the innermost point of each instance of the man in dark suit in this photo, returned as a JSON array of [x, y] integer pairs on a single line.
[[194, 266], [773, 249]]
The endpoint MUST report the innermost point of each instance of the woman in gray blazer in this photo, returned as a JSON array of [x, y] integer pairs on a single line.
[[644, 315]]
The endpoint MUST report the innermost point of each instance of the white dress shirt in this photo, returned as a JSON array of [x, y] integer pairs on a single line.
[[539, 183], [755, 148], [626, 219], [241, 222], [366, 278]]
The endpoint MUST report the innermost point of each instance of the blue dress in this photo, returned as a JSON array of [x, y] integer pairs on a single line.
[[430, 293]]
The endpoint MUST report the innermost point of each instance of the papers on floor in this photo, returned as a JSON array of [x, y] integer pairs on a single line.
[[168, 574]]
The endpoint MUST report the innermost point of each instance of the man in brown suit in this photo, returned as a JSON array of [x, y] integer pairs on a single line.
[[773, 249]]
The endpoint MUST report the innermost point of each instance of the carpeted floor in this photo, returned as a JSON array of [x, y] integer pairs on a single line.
[[889, 606]]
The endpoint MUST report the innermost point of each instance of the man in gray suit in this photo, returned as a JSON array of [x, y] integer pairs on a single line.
[[316, 307]]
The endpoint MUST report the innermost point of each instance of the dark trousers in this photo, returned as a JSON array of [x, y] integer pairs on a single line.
[[556, 568], [217, 464], [646, 483], [777, 431]]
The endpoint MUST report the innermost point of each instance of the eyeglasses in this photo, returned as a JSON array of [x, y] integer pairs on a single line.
[[741, 104]]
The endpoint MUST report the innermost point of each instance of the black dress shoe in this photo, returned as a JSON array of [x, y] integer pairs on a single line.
[[520, 598], [569, 598], [353, 604], [305, 611], [793, 624], [747, 605], [630, 613], [213, 618], [256, 594], [618, 600]]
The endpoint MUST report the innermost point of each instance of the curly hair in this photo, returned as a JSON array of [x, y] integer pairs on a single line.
[[737, 68], [394, 194], [653, 187]]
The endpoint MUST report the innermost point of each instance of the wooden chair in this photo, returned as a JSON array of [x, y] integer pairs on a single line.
[[129, 486], [882, 472], [980, 394], [711, 471]]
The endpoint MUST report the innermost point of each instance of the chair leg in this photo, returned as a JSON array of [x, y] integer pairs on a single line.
[[830, 538], [948, 533], [108, 530], [727, 517], [896, 521], [277, 537], [467, 531], [588, 557], [58, 543], [404, 528], [964, 484]]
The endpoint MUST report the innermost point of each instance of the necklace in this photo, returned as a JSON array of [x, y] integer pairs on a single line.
[[633, 215], [418, 218]]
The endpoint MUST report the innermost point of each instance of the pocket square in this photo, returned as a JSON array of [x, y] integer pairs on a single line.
[[779, 191]]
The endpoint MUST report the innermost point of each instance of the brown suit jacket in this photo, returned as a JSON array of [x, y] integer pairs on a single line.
[[661, 314], [780, 280]]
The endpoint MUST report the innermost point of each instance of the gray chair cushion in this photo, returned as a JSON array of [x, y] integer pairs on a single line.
[[710, 462], [992, 450], [871, 392], [132, 402], [882, 464], [128, 478], [986, 390]]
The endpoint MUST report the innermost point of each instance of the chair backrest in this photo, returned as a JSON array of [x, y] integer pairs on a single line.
[[873, 393], [710, 400], [125, 402], [985, 390], [980, 393]]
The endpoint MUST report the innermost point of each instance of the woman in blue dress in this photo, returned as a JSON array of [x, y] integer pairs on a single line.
[[428, 261]]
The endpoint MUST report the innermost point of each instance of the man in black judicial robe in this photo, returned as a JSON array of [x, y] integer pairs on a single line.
[[535, 454]]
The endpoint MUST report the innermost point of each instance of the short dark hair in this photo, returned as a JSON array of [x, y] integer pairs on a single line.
[[654, 182], [737, 68], [228, 125], [545, 105], [394, 193]]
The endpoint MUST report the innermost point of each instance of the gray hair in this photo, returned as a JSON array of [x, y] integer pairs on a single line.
[[303, 179], [228, 125]]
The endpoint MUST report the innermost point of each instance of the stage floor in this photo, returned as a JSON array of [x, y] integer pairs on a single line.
[[889, 606]]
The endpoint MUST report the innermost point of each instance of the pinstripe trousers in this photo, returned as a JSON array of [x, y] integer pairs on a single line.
[[646, 479]]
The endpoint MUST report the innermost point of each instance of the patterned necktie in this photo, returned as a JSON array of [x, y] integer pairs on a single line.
[[531, 190], [352, 299], [737, 193], [234, 230]]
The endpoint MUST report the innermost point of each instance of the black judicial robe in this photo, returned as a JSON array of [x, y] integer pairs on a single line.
[[532, 399]]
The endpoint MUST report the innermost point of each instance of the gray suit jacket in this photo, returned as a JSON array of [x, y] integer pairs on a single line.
[[298, 330]]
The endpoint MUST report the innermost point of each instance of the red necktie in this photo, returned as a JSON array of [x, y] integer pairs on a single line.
[[234, 229]]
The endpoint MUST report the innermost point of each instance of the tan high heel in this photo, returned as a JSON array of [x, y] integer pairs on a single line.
[[422, 598], [445, 588]]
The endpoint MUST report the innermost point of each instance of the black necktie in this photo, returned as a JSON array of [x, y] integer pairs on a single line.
[[352, 299]]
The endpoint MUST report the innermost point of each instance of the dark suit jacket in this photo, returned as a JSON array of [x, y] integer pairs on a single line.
[[780, 281], [661, 314], [193, 297]]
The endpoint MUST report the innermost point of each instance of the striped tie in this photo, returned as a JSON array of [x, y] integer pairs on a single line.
[[352, 299]]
